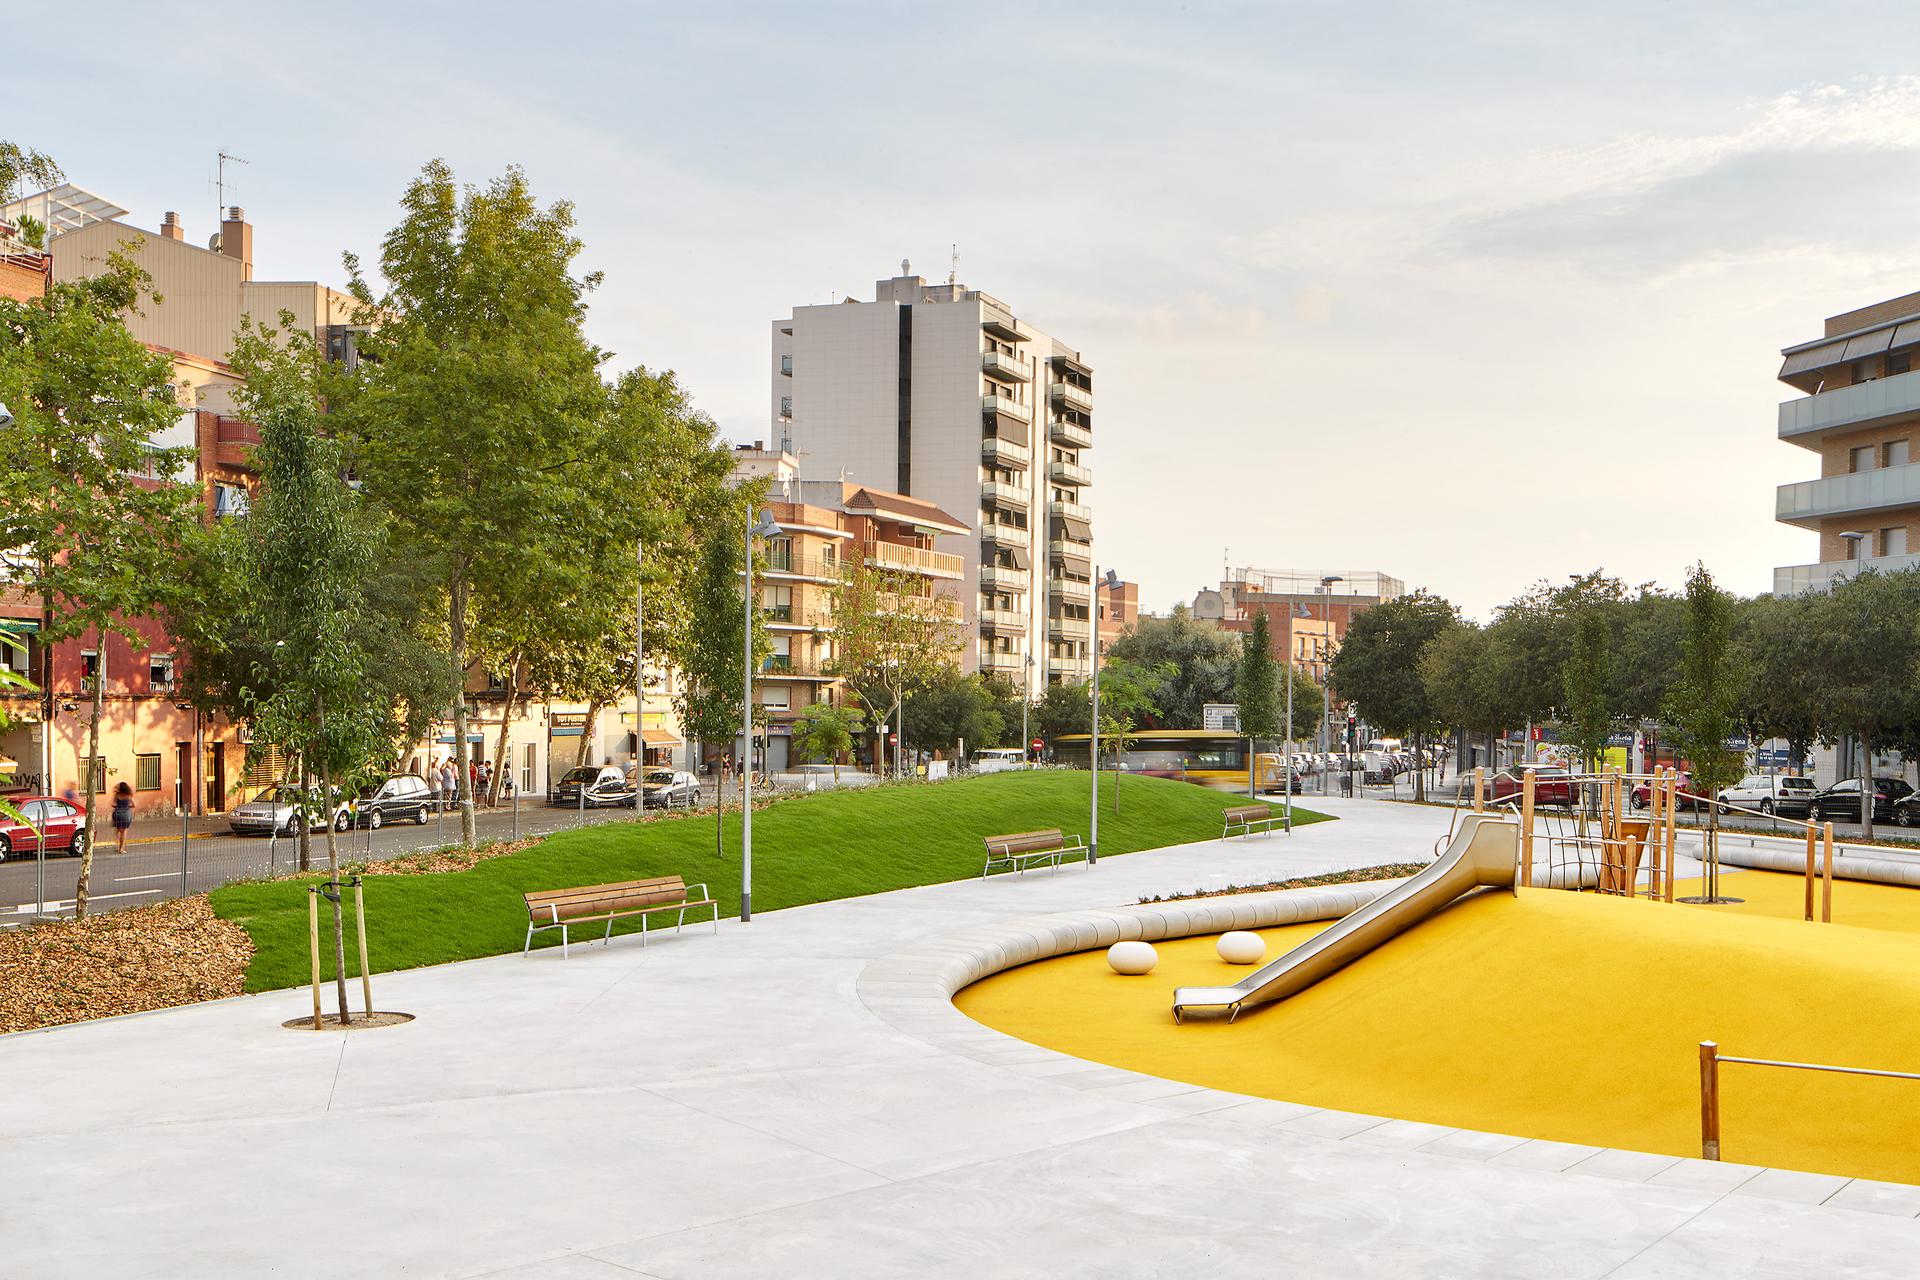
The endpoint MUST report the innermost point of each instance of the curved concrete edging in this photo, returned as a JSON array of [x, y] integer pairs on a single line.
[[913, 990]]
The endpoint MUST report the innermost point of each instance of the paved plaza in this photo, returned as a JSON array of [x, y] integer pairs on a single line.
[[786, 1099]]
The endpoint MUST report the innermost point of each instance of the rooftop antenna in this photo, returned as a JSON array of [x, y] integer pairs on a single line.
[[953, 268], [220, 182], [906, 268]]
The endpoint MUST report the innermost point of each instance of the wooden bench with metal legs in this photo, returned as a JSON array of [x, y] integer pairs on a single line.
[[1246, 817], [1022, 849], [561, 908]]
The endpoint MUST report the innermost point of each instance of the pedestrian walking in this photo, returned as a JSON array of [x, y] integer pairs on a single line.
[[122, 816]]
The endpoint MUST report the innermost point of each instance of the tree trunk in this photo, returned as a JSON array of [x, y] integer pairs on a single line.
[[720, 812], [1419, 767], [506, 720], [457, 630], [587, 729], [305, 820], [333, 873], [82, 880]]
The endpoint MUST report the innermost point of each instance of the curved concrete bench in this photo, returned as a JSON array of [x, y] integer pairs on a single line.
[[1846, 866]]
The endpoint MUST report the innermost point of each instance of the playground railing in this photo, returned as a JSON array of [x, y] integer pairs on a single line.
[[1710, 1060]]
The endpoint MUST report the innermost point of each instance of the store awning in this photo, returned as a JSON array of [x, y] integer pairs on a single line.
[[19, 626], [447, 739], [659, 738]]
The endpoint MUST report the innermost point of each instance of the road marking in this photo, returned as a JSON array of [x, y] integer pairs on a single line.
[[158, 875]]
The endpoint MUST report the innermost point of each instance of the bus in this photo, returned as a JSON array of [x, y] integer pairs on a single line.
[[1204, 756]]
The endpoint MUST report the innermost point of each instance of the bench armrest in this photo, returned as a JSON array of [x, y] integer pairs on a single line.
[[702, 887]]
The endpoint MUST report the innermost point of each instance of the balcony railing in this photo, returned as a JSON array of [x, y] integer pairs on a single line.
[[1006, 405], [1003, 578], [1005, 663], [1797, 579], [1069, 511], [1063, 628], [786, 365], [998, 452], [800, 565], [1071, 433], [1805, 503], [796, 616], [796, 666], [1067, 666], [1012, 619], [993, 493], [1006, 535], [1068, 547], [1068, 473], [1068, 394], [998, 364], [892, 555], [1860, 405], [1069, 588]]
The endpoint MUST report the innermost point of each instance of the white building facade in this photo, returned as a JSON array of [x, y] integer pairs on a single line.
[[942, 393]]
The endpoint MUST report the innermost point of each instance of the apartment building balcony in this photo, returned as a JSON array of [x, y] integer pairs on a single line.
[[998, 364], [933, 564], [1070, 433], [1068, 473], [1003, 621], [992, 405], [1001, 578], [1006, 535], [998, 452], [1807, 502], [920, 606], [1005, 328], [1073, 397], [1863, 404], [1012, 497], [1005, 664], [787, 617], [1067, 588], [1069, 667], [801, 567], [787, 666], [1063, 628], [1797, 579], [1069, 511]]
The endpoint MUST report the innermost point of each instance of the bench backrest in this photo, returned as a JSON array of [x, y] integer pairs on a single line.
[[600, 899], [1024, 841], [1242, 812]]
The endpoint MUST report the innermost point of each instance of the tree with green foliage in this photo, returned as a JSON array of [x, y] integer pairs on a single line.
[[953, 708], [1379, 666], [1779, 645], [95, 517], [1127, 692], [22, 167], [890, 636], [1866, 648], [824, 731], [1703, 707], [475, 419], [1586, 722], [1198, 663], [1256, 690], [710, 650], [1061, 710]]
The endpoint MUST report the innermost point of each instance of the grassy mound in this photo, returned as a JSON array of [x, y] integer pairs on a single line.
[[837, 844]]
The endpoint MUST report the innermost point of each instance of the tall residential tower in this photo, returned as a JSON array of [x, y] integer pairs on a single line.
[[940, 392]]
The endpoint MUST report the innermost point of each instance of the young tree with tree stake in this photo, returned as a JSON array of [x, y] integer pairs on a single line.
[[94, 516], [1703, 707], [1257, 694], [889, 638], [1126, 698], [824, 731]]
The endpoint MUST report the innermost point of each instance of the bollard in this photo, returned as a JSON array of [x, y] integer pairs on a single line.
[[1709, 1100], [1826, 878], [184, 820], [313, 949], [1810, 870], [516, 813], [360, 925]]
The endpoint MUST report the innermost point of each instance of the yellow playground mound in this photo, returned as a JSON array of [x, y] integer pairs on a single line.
[[1550, 1014]]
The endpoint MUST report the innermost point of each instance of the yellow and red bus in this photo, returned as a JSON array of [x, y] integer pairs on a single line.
[[1204, 756]]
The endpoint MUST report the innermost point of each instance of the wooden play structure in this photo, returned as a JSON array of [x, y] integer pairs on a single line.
[[1604, 846]]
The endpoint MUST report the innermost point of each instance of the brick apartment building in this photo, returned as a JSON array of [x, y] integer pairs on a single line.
[[1307, 612]]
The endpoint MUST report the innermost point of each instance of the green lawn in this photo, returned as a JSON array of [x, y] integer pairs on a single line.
[[835, 844]]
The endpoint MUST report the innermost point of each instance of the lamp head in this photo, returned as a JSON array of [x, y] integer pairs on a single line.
[[1110, 580], [6, 417], [766, 526]]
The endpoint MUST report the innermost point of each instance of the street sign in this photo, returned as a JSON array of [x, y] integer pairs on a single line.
[[1038, 743], [893, 737]]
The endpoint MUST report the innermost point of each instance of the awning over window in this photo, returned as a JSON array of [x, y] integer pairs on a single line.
[[1077, 529], [20, 626], [1868, 344], [1813, 358], [1009, 428], [1020, 558], [660, 738]]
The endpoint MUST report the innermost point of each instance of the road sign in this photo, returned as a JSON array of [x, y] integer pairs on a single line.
[[1038, 743], [893, 737]]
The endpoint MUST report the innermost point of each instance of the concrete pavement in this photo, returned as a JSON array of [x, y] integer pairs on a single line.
[[758, 1103]]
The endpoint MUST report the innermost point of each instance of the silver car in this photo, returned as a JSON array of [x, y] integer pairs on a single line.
[[277, 809]]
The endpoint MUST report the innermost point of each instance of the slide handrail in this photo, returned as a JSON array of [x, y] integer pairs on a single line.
[[1710, 1060]]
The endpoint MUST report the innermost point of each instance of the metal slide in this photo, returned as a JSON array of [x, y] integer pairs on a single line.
[[1485, 852]]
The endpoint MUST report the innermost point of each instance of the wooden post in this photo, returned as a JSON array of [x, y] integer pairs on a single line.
[[1709, 1100], [1826, 878], [313, 948], [1526, 827], [360, 924], [1810, 835], [1673, 838], [1479, 788]]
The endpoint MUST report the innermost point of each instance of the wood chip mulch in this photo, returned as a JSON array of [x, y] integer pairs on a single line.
[[153, 957], [1356, 875]]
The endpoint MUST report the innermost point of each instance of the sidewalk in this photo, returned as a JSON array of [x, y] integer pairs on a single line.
[[737, 1106]]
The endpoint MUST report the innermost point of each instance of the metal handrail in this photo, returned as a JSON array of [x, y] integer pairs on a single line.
[[1710, 1060]]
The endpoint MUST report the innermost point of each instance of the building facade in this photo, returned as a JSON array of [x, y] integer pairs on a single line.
[[941, 393], [1308, 611], [1860, 414], [1118, 610]]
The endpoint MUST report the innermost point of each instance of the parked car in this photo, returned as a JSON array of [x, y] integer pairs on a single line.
[[1770, 793], [1906, 811], [65, 826], [1552, 786], [999, 759], [606, 786], [404, 797], [1841, 801], [1642, 794], [276, 809], [669, 789]]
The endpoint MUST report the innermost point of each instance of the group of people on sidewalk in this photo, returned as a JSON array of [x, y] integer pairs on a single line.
[[445, 780]]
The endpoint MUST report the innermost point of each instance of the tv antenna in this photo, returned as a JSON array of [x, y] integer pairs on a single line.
[[220, 182], [953, 266]]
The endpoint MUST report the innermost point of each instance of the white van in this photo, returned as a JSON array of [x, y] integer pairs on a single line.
[[999, 759]]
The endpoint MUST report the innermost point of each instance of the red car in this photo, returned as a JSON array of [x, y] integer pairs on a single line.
[[1643, 794], [1552, 787], [64, 824]]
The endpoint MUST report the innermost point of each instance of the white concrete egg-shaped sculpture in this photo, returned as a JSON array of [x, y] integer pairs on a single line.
[[1240, 947], [1132, 958]]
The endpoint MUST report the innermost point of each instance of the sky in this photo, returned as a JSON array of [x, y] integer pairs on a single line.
[[1474, 294]]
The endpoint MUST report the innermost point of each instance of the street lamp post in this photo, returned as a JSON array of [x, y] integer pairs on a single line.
[[1326, 635], [1112, 584], [1026, 702], [764, 527]]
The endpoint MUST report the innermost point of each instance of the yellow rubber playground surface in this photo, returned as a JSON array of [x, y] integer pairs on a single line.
[[1558, 1015]]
